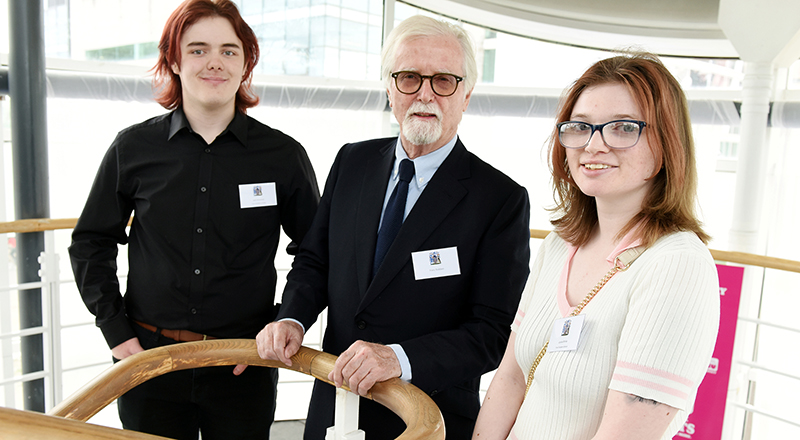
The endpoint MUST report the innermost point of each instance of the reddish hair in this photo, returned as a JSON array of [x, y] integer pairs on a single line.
[[168, 84], [669, 205]]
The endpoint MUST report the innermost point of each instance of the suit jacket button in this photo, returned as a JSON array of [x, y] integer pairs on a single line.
[[361, 325]]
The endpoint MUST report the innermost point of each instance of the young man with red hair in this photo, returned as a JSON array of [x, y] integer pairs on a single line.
[[210, 188]]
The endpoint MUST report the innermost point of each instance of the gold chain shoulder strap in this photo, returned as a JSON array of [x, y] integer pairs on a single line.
[[623, 262]]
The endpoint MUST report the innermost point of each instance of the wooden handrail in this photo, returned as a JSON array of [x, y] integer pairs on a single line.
[[43, 224], [37, 225], [16, 424], [728, 257], [421, 415]]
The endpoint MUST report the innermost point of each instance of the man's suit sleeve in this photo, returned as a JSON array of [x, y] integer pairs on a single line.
[[93, 252], [305, 294], [443, 359]]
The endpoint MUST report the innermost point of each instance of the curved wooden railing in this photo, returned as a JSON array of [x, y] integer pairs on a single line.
[[37, 225], [422, 417], [28, 425]]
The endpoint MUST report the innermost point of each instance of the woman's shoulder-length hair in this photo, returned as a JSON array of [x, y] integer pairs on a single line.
[[669, 206]]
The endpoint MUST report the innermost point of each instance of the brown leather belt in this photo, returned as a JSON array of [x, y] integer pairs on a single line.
[[177, 335]]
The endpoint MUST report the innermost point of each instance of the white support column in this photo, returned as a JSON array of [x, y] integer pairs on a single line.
[[744, 235], [346, 420], [388, 18], [752, 157]]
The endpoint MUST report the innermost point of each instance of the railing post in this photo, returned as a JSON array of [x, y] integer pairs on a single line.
[[50, 273], [6, 345], [345, 424]]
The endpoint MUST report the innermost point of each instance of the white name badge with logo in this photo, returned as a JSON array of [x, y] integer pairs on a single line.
[[436, 263], [255, 195], [565, 334]]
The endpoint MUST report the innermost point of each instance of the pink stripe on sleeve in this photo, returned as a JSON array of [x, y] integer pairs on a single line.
[[519, 317], [655, 372], [650, 385]]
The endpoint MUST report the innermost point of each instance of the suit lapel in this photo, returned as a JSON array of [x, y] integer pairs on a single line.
[[437, 200], [370, 202]]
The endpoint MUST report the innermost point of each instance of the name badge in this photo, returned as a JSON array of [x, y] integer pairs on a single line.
[[436, 263], [254, 195], [565, 334]]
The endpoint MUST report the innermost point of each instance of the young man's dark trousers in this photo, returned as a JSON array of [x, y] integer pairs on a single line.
[[209, 400]]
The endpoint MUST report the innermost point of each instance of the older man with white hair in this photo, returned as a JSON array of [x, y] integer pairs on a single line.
[[419, 250]]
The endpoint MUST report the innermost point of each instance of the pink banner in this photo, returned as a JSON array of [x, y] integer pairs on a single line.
[[705, 423]]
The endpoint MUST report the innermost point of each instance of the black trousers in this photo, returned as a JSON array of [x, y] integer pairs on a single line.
[[208, 400]]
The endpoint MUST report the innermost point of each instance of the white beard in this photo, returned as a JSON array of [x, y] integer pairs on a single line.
[[422, 132]]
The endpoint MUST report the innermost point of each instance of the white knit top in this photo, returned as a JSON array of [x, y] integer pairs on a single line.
[[650, 332]]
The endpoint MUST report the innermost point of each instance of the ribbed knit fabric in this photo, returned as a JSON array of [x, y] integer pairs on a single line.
[[649, 332]]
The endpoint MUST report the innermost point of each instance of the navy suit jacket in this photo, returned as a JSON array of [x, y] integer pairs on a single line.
[[453, 328]]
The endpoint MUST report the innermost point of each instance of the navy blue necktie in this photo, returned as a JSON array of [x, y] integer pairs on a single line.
[[393, 215]]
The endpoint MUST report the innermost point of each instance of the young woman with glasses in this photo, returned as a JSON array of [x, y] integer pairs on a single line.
[[619, 318]]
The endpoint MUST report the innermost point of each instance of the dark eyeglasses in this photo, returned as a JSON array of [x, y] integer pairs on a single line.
[[619, 134], [443, 84]]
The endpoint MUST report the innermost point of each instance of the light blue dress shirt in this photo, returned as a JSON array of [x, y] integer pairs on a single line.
[[424, 169]]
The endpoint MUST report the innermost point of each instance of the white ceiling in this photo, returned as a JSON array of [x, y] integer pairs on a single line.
[[667, 27]]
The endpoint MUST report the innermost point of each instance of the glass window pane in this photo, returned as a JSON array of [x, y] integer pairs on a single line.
[[250, 7], [358, 5], [332, 31], [274, 5], [354, 36], [292, 4], [297, 34]]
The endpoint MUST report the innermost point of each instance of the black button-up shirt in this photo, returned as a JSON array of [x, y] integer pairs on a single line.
[[205, 230]]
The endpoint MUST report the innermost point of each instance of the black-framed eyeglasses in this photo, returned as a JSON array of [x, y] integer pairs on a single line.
[[443, 84], [618, 134]]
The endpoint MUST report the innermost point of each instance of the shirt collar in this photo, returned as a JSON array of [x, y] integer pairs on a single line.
[[424, 166], [630, 240], [238, 126]]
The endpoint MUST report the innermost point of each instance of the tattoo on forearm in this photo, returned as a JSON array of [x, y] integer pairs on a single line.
[[635, 398]]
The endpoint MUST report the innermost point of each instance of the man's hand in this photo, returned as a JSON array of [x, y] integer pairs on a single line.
[[279, 341], [364, 364], [127, 348]]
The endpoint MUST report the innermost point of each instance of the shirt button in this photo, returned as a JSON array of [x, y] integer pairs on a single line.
[[194, 311], [361, 325], [199, 230], [208, 150], [203, 189], [197, 271]]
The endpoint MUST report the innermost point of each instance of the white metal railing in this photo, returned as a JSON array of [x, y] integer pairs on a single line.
[[748, 370], [50, 329], [54, 370]]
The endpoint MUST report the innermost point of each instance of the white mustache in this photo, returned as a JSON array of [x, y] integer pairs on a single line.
[[419, 107]]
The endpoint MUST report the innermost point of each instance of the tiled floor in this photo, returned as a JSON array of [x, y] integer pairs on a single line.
[[287, 430]]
